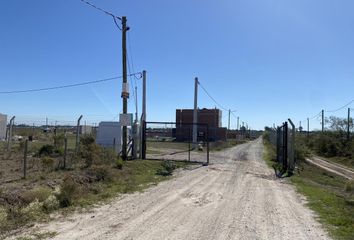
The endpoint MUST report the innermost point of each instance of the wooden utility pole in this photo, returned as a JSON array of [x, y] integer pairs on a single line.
[[322, 120], [125, 90], [238, 122]]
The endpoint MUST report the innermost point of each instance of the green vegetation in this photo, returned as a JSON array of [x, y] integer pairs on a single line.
[[331, 197], [79, 187]]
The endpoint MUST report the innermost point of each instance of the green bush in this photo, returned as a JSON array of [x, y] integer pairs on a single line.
[[46, 150], [59, 141], [68, 190], [100, 173], [48, 163], [90, 151], [167, 168], [119, 163], [40, 193], [87, 140]]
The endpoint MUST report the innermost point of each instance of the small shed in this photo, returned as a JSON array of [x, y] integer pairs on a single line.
[[3, 125], [109, 134]]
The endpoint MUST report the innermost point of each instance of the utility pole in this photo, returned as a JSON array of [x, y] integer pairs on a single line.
[[322, 120], [143, 119], [144, 96], [228, 125], [348, 130], [125, 89], [238, 121], [195, 111]]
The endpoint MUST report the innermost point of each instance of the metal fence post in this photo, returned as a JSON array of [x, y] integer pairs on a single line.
[[207, 144], [285, 146], [25, 160], [65, 151], [292, 147], [189, 145]]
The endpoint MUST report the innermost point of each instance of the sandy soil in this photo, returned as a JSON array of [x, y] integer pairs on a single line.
[[235, 197]]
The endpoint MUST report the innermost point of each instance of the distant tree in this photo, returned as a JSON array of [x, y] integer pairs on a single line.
[[338, 124]]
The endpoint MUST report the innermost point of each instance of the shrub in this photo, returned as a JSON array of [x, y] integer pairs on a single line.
[[59, 140], [67, 192], [87, 140], [33, 211], [167, 168], [119, 163], [50, 204], [46, 150], [48, 163], [40, 194], [349, 186], [90, 151], [100, 173]]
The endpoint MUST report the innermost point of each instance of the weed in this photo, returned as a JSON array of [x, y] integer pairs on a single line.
[[47, 163], [46, 150], [40, 193], [119, 163], [67, 192], [167, 168]]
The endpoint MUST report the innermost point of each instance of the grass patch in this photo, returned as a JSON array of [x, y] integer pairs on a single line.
[[331, 197], [83, 188], [269, 154]]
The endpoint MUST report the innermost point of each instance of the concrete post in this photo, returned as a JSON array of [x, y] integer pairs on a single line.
[[78, 135], [9, 136], [195, 111]]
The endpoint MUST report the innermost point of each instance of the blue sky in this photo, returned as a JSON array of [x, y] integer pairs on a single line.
[[270, 60]]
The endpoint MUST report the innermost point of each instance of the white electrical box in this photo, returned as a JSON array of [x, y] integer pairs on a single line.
[[109, 134]]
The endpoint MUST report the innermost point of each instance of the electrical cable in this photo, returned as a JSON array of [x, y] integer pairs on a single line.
[[64, 86], [100, 9], [106, 12], [336, 110], [212, 97]]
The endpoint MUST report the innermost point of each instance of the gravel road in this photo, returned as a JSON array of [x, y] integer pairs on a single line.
[[235, 197], [332, 167]]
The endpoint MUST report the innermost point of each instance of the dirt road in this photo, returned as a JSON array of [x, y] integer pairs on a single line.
[[332, 167], [236, 197]]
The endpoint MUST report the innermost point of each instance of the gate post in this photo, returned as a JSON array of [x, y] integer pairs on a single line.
[[292, 147], [143, 143], [207, 144], [285, 146]]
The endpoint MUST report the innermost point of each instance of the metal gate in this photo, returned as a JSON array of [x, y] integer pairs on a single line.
[[172, 141], [282, 148]]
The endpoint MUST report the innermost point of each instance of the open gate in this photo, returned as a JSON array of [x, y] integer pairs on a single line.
[[174, 141]]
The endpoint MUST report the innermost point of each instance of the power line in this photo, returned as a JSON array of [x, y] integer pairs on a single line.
[[102, 10], [106, 12], [212, 97], [65, 86], [336, 110]]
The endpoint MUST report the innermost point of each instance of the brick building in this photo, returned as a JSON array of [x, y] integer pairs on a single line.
[[212, 117]]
